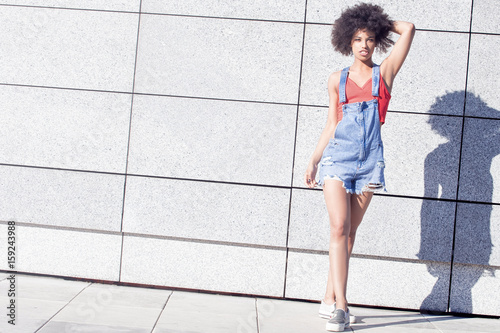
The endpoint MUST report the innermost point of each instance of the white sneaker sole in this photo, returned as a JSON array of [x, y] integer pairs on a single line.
[[325, 315], [336, 327]]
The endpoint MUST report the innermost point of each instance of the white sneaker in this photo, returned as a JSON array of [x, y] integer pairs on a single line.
[[326, 312]]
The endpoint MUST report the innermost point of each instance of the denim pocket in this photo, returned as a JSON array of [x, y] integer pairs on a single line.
[[327, 160], [332, 143]]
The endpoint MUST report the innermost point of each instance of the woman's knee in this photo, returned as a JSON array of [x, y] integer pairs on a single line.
[[352, 232], [339, 229]]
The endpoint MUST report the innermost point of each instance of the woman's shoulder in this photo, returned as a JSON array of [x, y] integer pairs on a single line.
[[334, 80], [335, 75]]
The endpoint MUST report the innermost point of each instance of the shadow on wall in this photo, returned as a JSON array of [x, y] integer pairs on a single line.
[[473, 237]]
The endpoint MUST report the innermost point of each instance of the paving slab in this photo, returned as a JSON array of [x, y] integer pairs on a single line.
[[66, 327], [46, 288], [31, 314], [37, 299], [113, 307], [124, 296], [286, 316], [196, 312], [380, 320], [463, 324]]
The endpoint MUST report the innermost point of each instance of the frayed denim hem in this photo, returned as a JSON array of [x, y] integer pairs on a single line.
[[373, 187], [322, 182], [370, 187]]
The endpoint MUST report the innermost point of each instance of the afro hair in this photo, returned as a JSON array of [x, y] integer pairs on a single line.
[[361, 16]]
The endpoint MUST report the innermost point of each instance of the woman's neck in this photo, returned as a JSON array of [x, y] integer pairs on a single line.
[[361, 66]]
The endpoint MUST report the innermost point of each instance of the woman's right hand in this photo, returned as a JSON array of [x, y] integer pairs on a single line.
[[328, 131], [310, 176]]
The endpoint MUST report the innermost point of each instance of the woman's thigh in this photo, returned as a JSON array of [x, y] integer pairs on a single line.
[[338, 204], [359, 205]]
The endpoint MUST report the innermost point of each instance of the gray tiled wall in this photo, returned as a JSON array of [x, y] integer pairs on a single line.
[[164, 142]]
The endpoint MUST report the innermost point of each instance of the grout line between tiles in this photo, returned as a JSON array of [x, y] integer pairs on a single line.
[[128, 142], [402, 196], [161, 312], [427, 319], [294, 149], [71, 300], [224, 18], [452, 259], [229, 100], [257, 315], [71, 8]]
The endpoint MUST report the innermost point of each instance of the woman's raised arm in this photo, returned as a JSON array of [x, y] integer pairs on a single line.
[[392, 64]]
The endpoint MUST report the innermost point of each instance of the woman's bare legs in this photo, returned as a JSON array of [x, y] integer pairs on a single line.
[[346, 212], [338, 205]]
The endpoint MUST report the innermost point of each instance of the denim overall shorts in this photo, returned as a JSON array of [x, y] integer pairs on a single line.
[[355, 155]]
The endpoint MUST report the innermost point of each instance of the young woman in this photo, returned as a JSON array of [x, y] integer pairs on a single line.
[[350, 149]]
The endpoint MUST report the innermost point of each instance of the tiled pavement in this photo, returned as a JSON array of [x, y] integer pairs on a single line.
[[47, 304]]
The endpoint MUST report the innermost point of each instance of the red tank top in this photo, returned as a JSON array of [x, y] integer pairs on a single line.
[[355, 94]]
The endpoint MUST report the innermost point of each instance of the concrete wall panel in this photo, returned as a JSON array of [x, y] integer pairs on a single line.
[[479, 169], [398, 283], [415, 228], [212, 140], [483, 80], [68, 48], [474, 289], [485, 16], [64, 128], [477, 238], [61, 198], [203, 266], [218, 58], [119, 5], [65, 252], [210, 211], [280, 10], [426, 14]]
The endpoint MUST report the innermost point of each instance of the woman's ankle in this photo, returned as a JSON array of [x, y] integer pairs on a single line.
[[328, 300], [341, 305]]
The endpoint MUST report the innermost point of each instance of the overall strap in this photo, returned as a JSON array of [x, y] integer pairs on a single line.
[[375, 80], [343, 80]]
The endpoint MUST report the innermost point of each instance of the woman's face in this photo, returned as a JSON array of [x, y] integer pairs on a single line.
[[363, 44]]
